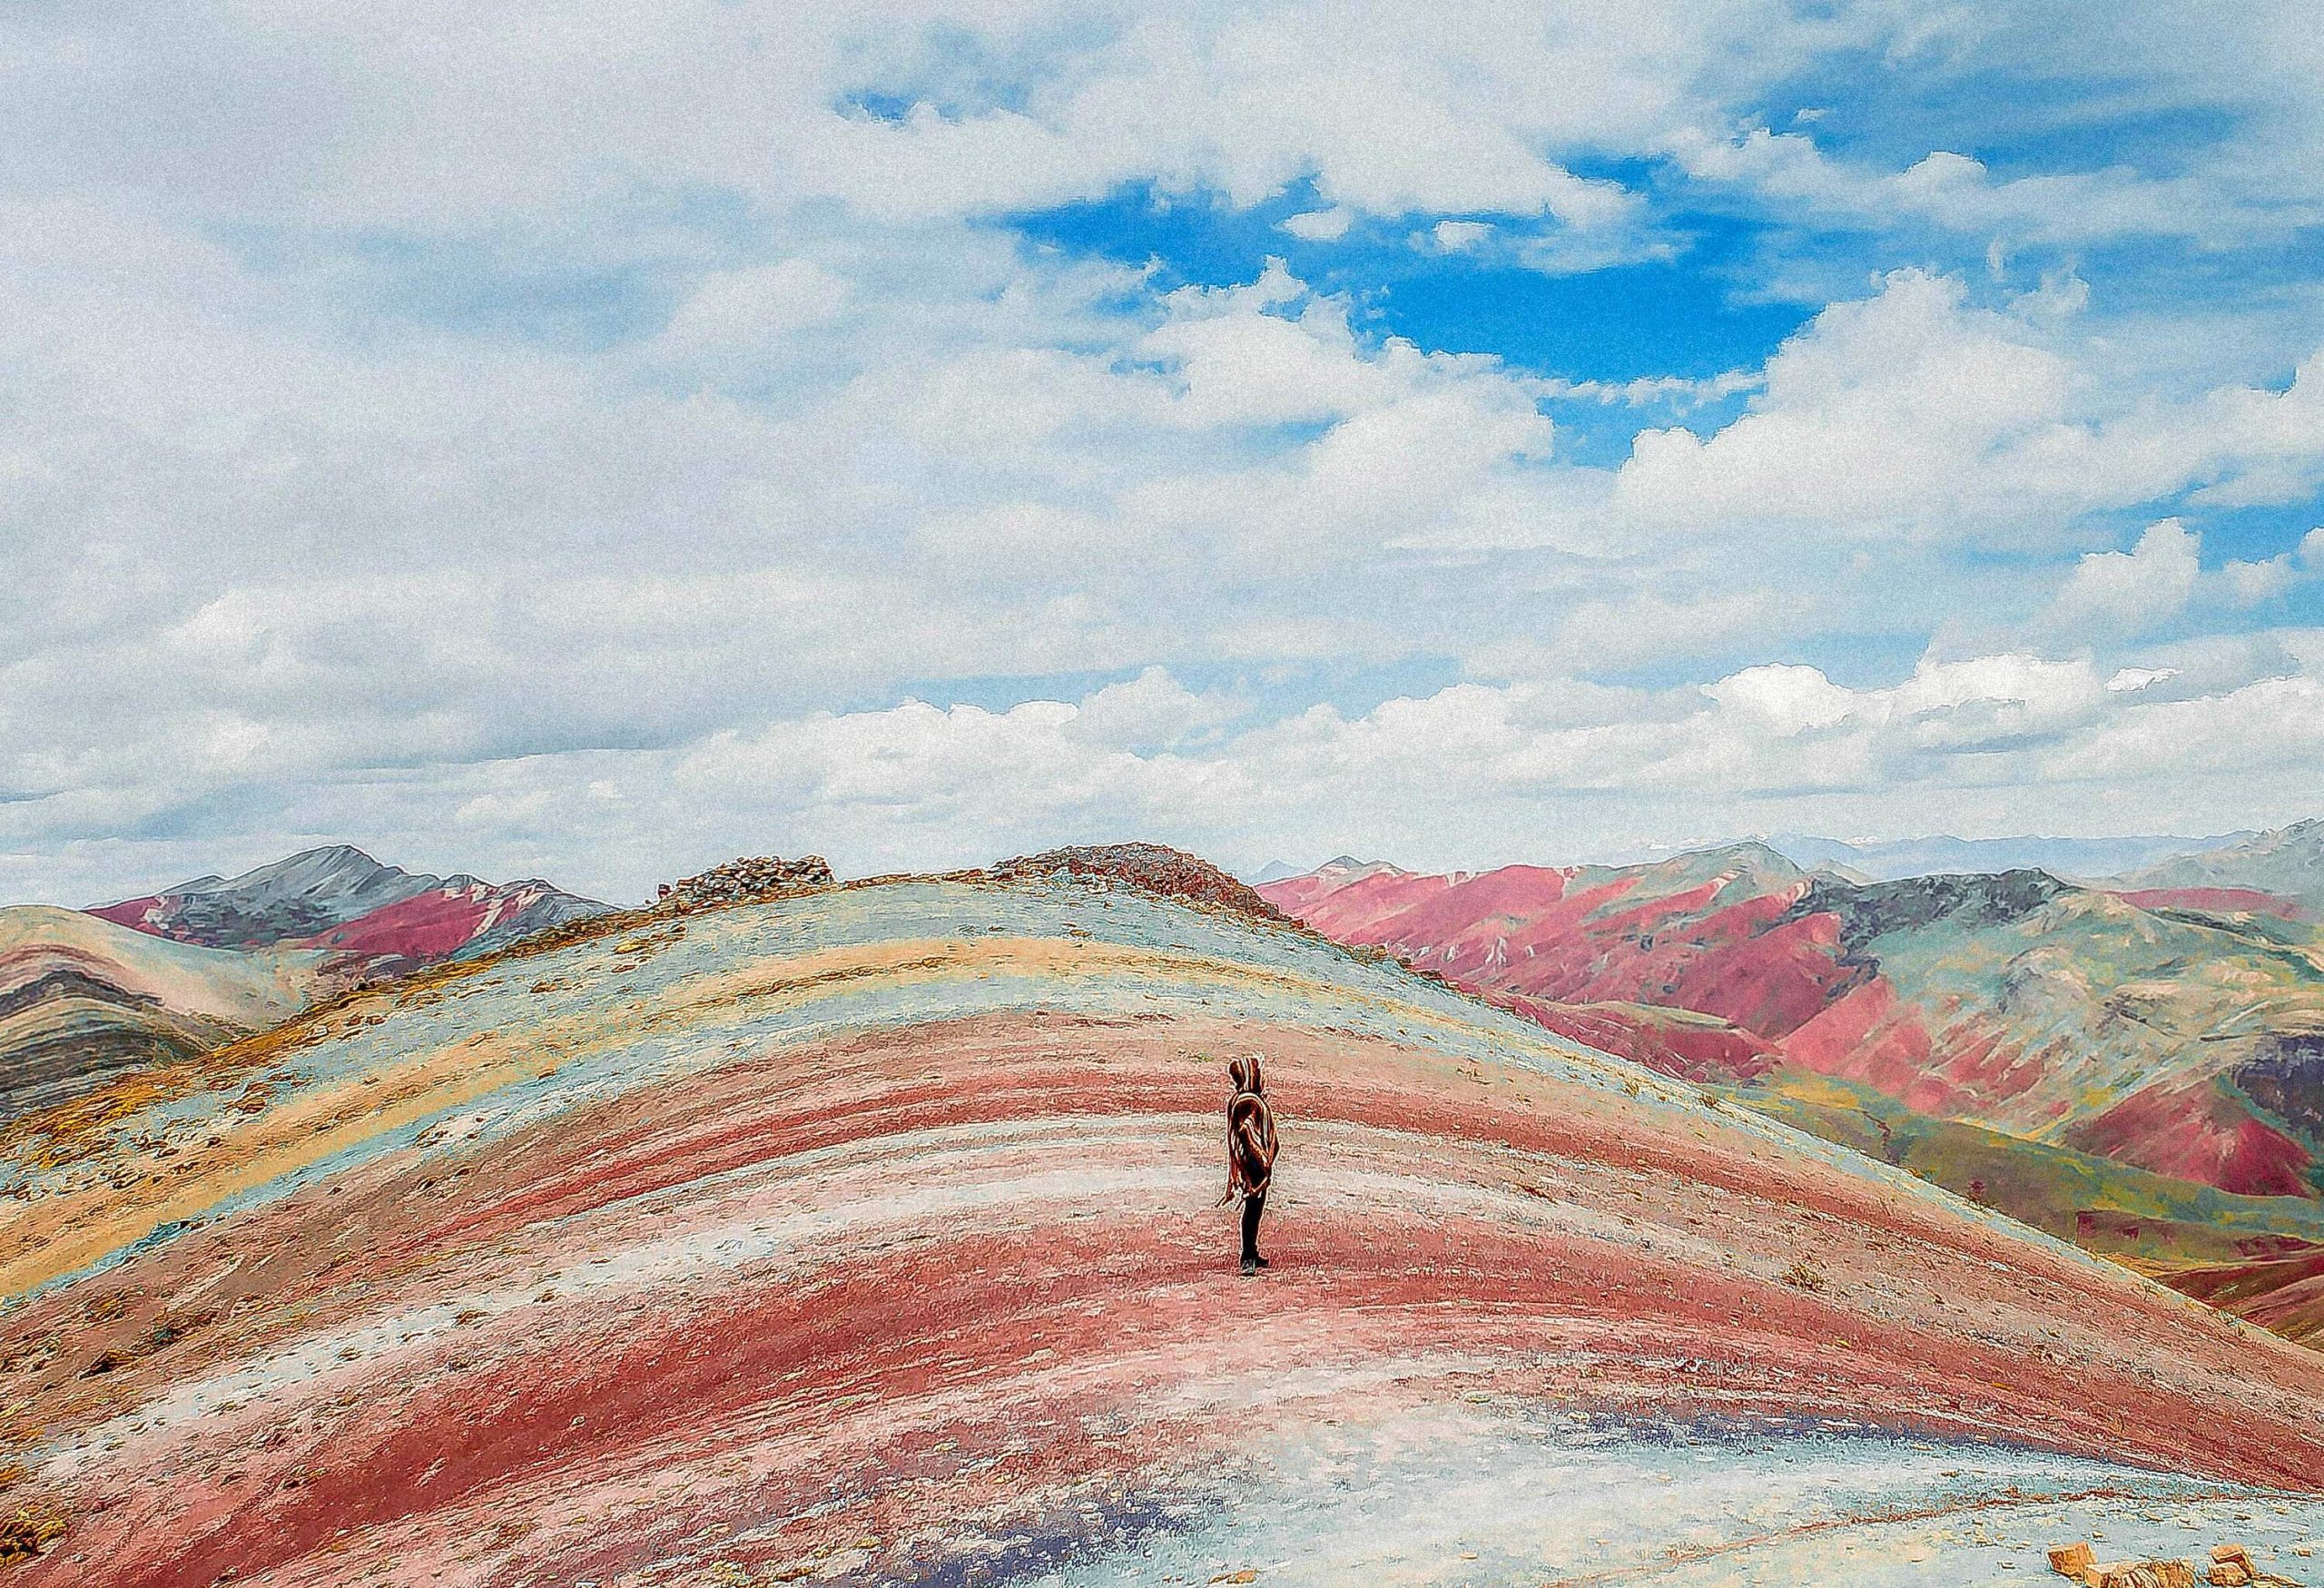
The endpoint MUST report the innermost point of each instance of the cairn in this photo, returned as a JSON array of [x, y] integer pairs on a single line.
[[744, 881]]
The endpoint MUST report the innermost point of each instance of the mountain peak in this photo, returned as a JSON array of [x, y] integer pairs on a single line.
[[335, 896], [1753, 853], [324, 865], [1347, 865]]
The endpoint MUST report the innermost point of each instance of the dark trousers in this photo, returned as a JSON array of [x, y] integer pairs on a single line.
[[1254, 1204]]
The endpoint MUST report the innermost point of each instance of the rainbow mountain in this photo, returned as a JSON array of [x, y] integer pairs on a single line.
[[872, 1235]]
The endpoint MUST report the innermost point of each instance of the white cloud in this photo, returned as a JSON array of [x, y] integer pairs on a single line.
[[1598, 634], [1321, 226], [1912, 414], [1788, 699], [1153, 709], [1679, 391], [1959, 192], [2009, 739], [1460, 236], [1883, 416], [2135, 591], [1238, 360], [1546, 770], [740, 314], [433, 116], [2248, 584], [2158, 580]]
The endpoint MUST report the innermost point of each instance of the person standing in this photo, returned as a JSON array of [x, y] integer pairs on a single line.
[[1250, 1151]]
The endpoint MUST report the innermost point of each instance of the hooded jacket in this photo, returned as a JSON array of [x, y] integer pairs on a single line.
[[1250, 1130]]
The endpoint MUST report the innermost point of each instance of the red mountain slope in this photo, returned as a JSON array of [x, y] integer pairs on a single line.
[[1708, 934], [2179, 1043]]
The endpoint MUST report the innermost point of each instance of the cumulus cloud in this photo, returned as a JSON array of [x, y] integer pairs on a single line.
[[1913, 413], [1788, 699], [2247, 584], [1151, 710], [1546, 769], [1596, 634], [1505, 771], [1882, 416], [1960, 192], [2157, 579], [1459, 236], [2132, 590], [1320, 225], [590, 435]]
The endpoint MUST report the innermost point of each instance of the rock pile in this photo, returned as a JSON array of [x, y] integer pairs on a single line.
[[1155, 868], [2077, 1563], [2230, 1567], [738, 881]]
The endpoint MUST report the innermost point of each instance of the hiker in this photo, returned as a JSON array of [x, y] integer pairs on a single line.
[[1250, 1152]]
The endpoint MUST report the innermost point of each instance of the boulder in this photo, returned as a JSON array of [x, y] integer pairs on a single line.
[[2139, 1574], [2071, 1559]]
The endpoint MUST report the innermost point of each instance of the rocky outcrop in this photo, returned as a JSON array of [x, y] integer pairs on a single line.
[[2077, 1564], [1875, 910], [1151, 868], [740, 881], [2232, 1566]]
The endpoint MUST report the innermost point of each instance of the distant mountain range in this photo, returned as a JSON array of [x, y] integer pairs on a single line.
[[165, 976], [2061, 857], [1893, 860], [2261, 872], [2139, 1065], [342, 899]]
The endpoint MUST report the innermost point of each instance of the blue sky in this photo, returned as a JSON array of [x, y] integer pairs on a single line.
[[594, 439]]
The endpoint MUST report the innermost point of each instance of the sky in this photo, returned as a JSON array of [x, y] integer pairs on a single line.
[[592, 440]]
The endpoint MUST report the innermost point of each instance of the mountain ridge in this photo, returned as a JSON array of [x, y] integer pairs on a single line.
[[161, 978]]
